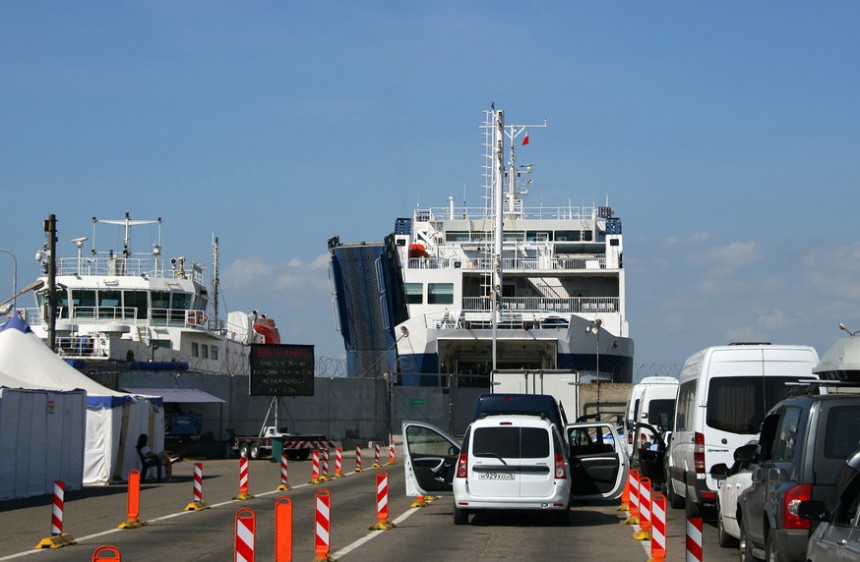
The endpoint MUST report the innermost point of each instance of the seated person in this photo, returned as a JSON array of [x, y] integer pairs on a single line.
[[151, 458]]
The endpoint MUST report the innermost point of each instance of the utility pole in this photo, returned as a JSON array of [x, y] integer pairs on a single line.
[[50, 226]]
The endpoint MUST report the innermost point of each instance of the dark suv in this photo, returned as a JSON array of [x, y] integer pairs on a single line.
[[803, 444]]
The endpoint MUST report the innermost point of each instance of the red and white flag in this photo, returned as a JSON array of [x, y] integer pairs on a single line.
[[526, 138]]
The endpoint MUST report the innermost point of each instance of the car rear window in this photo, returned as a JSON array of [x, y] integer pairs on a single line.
[[843, 432], [511, 442], [661, 412], [739, 404]]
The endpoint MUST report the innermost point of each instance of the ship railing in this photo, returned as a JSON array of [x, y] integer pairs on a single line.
[[93, 314], [545, 304], [118, 266], [561, 212], [511, 264], [172, 317], [507, 321]]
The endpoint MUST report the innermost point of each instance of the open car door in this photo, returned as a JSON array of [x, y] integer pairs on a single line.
[[598, 461], [430, 459]]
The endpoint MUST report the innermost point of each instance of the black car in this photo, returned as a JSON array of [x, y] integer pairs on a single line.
[[803, 445]]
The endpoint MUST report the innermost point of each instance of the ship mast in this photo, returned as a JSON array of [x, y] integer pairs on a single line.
[[498, 182], [216, 282]]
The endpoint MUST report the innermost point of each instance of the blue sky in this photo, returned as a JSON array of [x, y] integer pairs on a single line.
[[725, 134]]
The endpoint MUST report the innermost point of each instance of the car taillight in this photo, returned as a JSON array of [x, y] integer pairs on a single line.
[[629, 438], [462, 465], [560, 472], [791, 498], [699, 453]]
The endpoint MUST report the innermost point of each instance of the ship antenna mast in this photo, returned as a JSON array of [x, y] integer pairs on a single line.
[[216, 282]]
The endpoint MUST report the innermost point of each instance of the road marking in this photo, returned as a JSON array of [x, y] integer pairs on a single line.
[[372, 535]]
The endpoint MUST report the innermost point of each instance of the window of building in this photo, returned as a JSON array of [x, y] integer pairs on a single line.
[[440, 293], [194, 350], [414, 293], [213, 353], [205, 350]]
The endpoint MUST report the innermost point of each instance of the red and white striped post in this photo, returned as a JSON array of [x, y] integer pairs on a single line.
[[358, 459], [382, 522], [694, 539], [375, 455], [324, 476], [244, 478], [315, 470], [285, 477], [633, 518], [658, 528], [322, 533], [390, 450], [338, 462], [57, 538], [244, 541], [644, 533], [197, 502]]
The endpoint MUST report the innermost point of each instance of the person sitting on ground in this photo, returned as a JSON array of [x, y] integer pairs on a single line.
[[150, 456]]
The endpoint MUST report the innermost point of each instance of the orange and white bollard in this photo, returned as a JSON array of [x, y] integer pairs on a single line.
[[358, 459], [390, 451], [283, 530], [315, 468], [633, 475], [375, 455], [245, 536], [625, 497], [322, 535], [244, 478], [644, 533], [694, 539], [658, 528], [382, 522], [133, 511], [285, 477], [58, 538], [111, 551], [324, 477], [338, 463], [197, 502]]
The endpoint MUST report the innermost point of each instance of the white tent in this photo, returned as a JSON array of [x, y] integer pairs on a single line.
[[114, 420], [41, 439]]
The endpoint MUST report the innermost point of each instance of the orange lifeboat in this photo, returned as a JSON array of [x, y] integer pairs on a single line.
[[266, 327], [418, 251]]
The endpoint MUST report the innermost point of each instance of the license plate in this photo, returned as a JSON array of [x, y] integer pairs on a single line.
[[495, 476]]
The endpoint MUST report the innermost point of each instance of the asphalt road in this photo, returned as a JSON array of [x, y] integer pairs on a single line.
[[594, 532]]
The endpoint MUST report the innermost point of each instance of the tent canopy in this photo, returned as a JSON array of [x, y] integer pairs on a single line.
[[178, 395]]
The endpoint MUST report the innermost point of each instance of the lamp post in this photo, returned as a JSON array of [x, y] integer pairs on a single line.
[[14, 276], [849, 332], [595, 329]]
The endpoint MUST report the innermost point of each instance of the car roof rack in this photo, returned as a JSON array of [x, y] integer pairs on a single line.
[[812, 386]]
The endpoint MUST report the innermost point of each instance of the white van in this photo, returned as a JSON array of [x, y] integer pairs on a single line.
[[724, 394], [663, 386]]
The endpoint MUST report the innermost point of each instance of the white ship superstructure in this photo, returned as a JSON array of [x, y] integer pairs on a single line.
[[141, 309], [507, 286]]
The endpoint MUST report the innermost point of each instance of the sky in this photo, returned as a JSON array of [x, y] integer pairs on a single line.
[[726, 135]]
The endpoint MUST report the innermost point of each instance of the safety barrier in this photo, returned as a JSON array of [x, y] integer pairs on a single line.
[[694, 539], [133, 511], [420, 501], [390, 451], [283, 530], [322, 536], [658, 528], [644, 533], [315, 468], [324, 476], [375, 455], [382, 522], [633, 476], [338, 462], [110, 550], [285, 476], [625, 496], [197, 502], [244, 537], [244, 478], [58, 538], [358, 459]]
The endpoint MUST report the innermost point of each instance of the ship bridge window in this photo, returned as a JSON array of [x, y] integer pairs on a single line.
[[567, 236], [440, 293], [414, 293], [109, 299], [84, 303], [587, 236], [457, 236], [160, 299], [516, 236], [137, 301], [537, 236], [180, 301]]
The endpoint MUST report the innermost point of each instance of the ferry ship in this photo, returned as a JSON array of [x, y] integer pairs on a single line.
[[506, 286], [139, 309]]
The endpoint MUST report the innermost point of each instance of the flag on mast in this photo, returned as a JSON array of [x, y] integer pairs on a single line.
[[526, 138]]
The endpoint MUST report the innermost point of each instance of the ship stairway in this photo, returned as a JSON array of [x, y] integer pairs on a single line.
[[549, 287], [142, 334]]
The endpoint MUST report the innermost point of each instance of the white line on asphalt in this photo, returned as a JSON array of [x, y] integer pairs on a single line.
[[370, 536]]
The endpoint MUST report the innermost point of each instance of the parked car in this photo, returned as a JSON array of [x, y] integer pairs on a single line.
[[837, 538], [506, 461], [732, 482], [724, 393], [804, 443], [652, 400]]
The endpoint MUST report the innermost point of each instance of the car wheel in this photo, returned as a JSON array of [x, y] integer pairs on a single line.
[[745, 546], [461, 516], [723, 538], [244, 449], [255, 451]]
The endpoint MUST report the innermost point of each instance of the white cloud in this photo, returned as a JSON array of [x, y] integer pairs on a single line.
[[726, 260]]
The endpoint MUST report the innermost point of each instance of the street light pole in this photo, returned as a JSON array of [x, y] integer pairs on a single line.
[[14, 276], [595, 329]]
